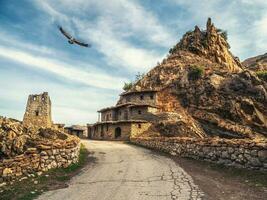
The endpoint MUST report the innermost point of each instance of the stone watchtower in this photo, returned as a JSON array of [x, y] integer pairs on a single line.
[[38, 111]]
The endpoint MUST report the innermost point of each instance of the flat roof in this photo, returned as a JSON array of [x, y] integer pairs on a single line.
[[127, 104], [121, 121], [136, 91]]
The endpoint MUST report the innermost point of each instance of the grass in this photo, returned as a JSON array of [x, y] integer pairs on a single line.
[[53, 179], [262, 74], [195, 72]]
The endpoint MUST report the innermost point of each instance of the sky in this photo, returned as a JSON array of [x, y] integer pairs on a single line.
[[127, 37]]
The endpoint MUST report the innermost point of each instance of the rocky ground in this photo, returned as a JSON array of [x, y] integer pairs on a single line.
[[15, 139], [221, 183]]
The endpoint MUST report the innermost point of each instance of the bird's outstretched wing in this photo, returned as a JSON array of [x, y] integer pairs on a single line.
[[64, 32], [81, 43]]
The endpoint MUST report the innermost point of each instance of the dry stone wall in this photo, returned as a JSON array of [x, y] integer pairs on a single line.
[[234, 152], [44, 156]]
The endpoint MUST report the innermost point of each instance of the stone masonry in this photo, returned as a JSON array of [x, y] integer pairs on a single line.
[[38, 111], [46, 155], [235, 152]]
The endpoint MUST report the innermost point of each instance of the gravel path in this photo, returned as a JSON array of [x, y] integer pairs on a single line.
[[123, 171]]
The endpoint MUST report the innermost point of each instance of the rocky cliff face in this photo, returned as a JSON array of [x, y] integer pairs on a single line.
[[258, 63], [207, 86]]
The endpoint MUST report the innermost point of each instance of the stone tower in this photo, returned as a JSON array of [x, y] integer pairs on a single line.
[[38, 111]]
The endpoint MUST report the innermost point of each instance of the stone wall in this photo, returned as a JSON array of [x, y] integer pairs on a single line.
[[46, 155], [38, 111], [139, 97], [107, 131], [234, 152], [142, 113]]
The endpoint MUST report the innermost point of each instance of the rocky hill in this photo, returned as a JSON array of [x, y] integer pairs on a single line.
[[257, 63], [208, 88]]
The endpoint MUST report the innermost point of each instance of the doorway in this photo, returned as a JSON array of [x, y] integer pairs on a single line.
[[117, 132]]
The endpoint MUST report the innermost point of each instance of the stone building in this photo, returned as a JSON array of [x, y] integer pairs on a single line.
[[38, 111], [131, 116], [80, 131]]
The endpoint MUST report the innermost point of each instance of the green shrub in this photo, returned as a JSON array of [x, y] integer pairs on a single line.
[[195, 72], [223, 33], [127, 86], [262, 74]]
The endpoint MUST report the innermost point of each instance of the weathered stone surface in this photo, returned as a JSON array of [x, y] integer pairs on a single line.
[[227, 153], [258, 63], [31, 149], [38, 111]]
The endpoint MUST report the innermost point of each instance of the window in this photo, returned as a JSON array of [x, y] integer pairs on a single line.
[[139, 126], [128, 99], [107, 128], [36, 113], [151, 96], [142, 97], [139, 112]]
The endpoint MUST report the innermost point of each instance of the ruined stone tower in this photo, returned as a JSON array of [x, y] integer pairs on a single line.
[[38, 111]]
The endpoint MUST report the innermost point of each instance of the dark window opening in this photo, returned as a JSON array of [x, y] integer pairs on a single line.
[[139, 126], [107, 128], [139, 112], [36, 113], [128, 99], [151, 96], [117, 132], [141, 97], [102, 131]]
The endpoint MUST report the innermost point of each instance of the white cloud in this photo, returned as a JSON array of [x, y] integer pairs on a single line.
[[115, 24], [13, 41], [69, 104], [62, 69]]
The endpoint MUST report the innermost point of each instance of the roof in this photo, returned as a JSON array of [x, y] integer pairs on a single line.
[[121, 121], [141, 91], [127, 104], [76, 128]]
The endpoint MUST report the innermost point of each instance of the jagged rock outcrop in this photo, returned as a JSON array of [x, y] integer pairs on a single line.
[[257, 63], [202, 81], [211, 45]]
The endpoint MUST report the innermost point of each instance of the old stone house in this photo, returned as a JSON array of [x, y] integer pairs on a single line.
[[131, 116]]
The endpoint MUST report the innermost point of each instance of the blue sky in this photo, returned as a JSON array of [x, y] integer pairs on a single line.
[[127, 36]]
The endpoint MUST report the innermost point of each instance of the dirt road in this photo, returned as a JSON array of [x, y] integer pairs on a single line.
[[127, 172]]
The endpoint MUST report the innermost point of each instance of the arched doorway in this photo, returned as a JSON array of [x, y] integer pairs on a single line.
[[117, 132]]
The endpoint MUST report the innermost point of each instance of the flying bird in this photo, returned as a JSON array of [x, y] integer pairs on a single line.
[[71, 39]]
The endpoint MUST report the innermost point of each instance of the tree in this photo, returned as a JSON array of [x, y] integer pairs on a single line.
[[139, 76], [129, 85], [223, 33]]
